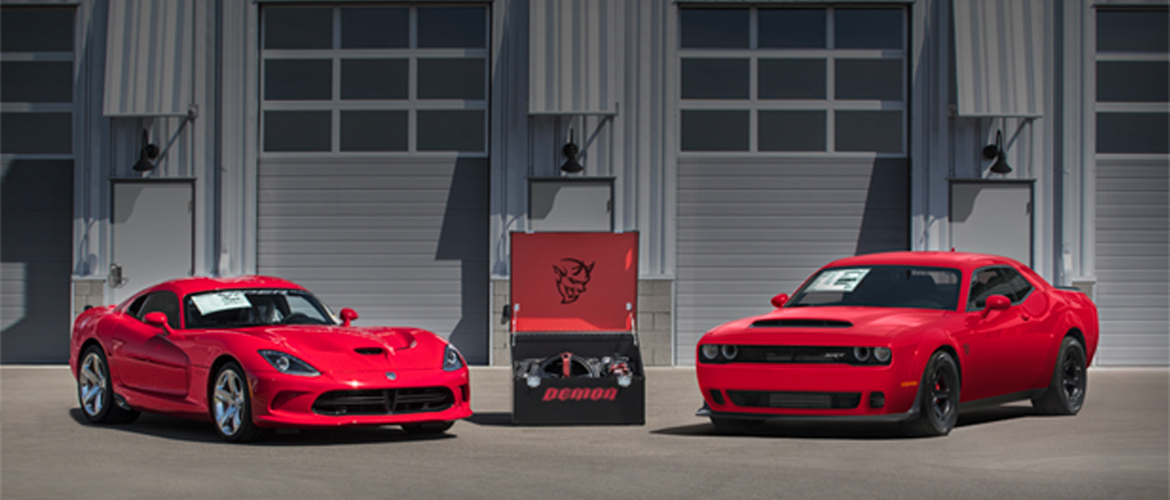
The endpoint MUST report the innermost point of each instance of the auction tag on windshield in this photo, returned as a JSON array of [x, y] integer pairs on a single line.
[[839, 280], [221, 301]]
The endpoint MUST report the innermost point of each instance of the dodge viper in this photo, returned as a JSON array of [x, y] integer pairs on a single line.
[[255, 353], [908, 337]]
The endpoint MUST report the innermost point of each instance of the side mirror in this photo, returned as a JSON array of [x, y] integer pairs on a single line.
[[158, 319], [996, 303], [779, 300], [348, 315]]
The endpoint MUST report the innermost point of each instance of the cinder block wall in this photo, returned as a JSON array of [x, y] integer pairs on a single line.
[[655, 321], [87, 293]]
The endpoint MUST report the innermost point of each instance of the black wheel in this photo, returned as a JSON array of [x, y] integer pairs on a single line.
[[938, 398], [94, 392], [1066, 391], [427, 427], [736, 425], [231, 405]]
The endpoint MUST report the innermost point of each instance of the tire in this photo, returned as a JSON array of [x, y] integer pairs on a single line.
[[428, 427], [1066, 391], [938, 398], [231, 405], [736, 425], [95, 394]]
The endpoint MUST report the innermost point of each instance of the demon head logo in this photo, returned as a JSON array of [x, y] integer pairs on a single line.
[[572, 276]]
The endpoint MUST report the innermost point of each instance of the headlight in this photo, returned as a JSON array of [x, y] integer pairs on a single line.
[[287, 363], [451, 359], [709, 351], [882, 354], [861, 354], [729, 352]]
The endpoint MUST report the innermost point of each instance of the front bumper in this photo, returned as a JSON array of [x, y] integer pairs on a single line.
[[280, 400], [808, 391]]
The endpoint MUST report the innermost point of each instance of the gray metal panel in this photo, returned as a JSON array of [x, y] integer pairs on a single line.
[[35, 252], [403, 241], [992, 217], [1133, 261], [751, 228], [149, 57], [572, 55], [999, 55]]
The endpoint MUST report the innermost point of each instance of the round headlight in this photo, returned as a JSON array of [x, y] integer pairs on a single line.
[[282, 363], [861, 353], [709, 351], [882, 354], [729, 352]]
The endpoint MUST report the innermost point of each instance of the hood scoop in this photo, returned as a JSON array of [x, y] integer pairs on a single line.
[[801, 323], [369, 351]]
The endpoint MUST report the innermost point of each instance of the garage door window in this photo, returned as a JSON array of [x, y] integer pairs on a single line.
[[809, 80], [374, 79], [36, 75], [1133, 81]]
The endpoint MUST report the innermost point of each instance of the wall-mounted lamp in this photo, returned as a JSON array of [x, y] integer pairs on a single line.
[[571, 150], [149, 152], [996, 151]]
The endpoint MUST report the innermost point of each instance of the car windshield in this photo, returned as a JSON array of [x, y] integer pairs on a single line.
[[255, 307], [881, 286]]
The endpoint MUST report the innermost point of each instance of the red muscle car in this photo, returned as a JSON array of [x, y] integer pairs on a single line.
[[255, 353], [902, 337]]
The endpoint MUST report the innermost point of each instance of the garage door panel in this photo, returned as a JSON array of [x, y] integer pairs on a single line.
[[749, 229], [1133, 260], [402, 242]]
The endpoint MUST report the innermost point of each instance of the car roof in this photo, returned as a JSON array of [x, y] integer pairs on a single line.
[[959, 260]]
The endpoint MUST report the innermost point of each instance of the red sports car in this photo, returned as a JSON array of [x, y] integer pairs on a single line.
[[255, 353], [902, 337]]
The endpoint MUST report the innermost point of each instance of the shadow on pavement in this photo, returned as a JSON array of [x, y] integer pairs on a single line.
[[850, 430], [488, 418], [181, 429]]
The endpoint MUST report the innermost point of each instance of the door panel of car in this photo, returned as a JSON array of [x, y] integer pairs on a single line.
[[147, 359], [997, 342]]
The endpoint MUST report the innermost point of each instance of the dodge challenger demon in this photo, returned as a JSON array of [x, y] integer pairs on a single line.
[[902, 337], [255, 353]]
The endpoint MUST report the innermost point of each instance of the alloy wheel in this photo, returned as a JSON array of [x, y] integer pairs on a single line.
[[229, 402], [92, 384]]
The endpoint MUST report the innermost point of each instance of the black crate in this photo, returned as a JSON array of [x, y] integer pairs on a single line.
[[578, 400]]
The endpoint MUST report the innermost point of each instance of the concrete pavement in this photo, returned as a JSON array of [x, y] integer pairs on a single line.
[[1116, 448]]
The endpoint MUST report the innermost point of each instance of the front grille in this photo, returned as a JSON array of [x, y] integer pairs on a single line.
[[796, 400], [384, 401], [794, 354]]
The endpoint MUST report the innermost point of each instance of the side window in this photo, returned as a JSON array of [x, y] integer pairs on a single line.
[[165, 302], [1020, 288], [136, 307], [987, 282]]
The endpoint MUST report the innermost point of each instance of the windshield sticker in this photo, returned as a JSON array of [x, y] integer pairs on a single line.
[[209, 303], [839, 280]]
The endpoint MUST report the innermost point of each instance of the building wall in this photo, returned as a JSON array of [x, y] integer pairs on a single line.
[[1099, 214]]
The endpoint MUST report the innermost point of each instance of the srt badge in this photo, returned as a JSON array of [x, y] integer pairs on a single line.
[[572, 276]]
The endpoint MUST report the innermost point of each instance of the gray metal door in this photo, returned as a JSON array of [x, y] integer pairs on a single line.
[[992, 217], [153, 234]]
